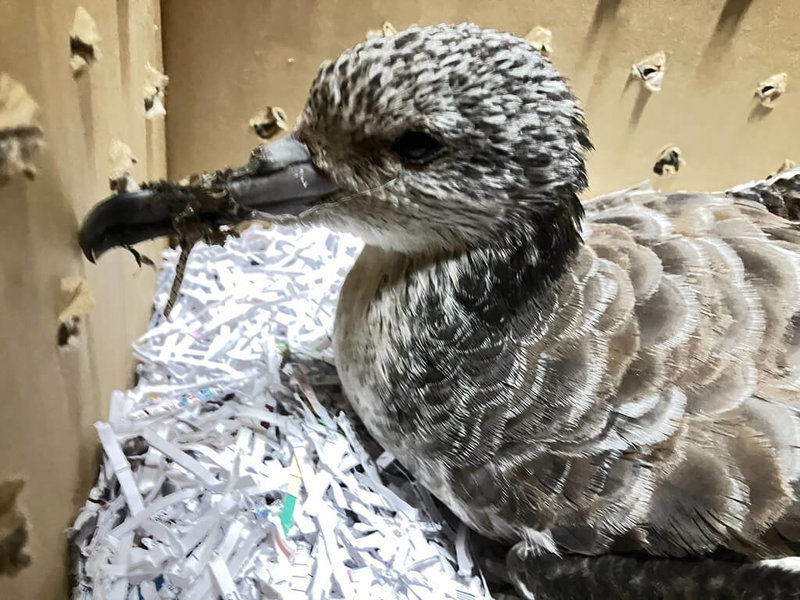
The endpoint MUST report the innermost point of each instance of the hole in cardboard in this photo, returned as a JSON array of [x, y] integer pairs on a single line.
[[772, 88], [78, 301], [20, 136], [122, 161], [669, 161], [68, 332], [83, 42], [651, 70], [269, 122], [155, 88], [13, 529], [541, 38], [386, 30]]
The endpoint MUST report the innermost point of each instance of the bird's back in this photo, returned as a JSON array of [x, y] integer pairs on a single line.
[[700, 345]]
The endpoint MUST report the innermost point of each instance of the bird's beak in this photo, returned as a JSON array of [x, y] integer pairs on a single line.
[[279, 180]]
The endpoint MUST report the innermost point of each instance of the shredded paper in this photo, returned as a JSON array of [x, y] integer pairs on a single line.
[[224, 475]]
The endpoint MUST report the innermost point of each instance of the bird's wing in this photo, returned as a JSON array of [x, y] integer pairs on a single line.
[[700, 352]]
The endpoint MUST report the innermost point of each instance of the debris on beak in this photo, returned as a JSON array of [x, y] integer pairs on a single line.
[[279, 180]]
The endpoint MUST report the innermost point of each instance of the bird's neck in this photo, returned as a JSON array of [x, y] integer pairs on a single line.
[[515, 272], [518, 270], [552, 232], [535, 252], [395, 309], [525, 265]]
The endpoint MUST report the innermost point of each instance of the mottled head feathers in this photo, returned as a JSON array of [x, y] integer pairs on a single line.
[[444, 137]]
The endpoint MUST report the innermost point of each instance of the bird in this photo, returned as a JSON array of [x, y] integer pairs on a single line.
[[616, 377]]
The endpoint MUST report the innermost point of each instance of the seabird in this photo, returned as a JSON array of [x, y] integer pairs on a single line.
[[620, 378]]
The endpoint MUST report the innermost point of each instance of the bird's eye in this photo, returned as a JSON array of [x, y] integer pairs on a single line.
[[417, 147]]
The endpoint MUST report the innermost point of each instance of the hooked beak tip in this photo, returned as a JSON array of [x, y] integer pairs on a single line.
[[86, 247]]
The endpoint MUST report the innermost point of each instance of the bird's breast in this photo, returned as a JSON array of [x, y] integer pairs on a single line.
[[369, 327]]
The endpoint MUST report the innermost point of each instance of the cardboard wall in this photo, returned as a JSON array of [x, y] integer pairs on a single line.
[[229, 59], [49, 395]]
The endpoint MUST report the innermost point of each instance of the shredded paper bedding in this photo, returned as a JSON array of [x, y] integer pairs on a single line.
[[224, 475]]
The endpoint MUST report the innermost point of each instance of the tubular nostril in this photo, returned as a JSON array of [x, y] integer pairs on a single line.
[[278, 155]]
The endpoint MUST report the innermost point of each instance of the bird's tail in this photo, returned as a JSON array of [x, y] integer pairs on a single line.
[[627, 578]]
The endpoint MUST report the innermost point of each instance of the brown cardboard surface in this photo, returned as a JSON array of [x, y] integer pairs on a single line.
[[227, 60], [51, 396]]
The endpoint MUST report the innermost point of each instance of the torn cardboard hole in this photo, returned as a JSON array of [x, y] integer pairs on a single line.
[[787, 165], [83, 42], [772, 88], [541, 38], [78, 298], [269, 122], [13, 529], [78, 301], [386, 30], [651, 70], [669, 161], [67, 334], [21, 137], [155, 88], [122, 160]]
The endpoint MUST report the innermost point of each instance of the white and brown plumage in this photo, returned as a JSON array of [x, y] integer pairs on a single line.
[[627, 380]]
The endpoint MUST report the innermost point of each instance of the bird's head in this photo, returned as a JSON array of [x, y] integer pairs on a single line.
[[434, 139]]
